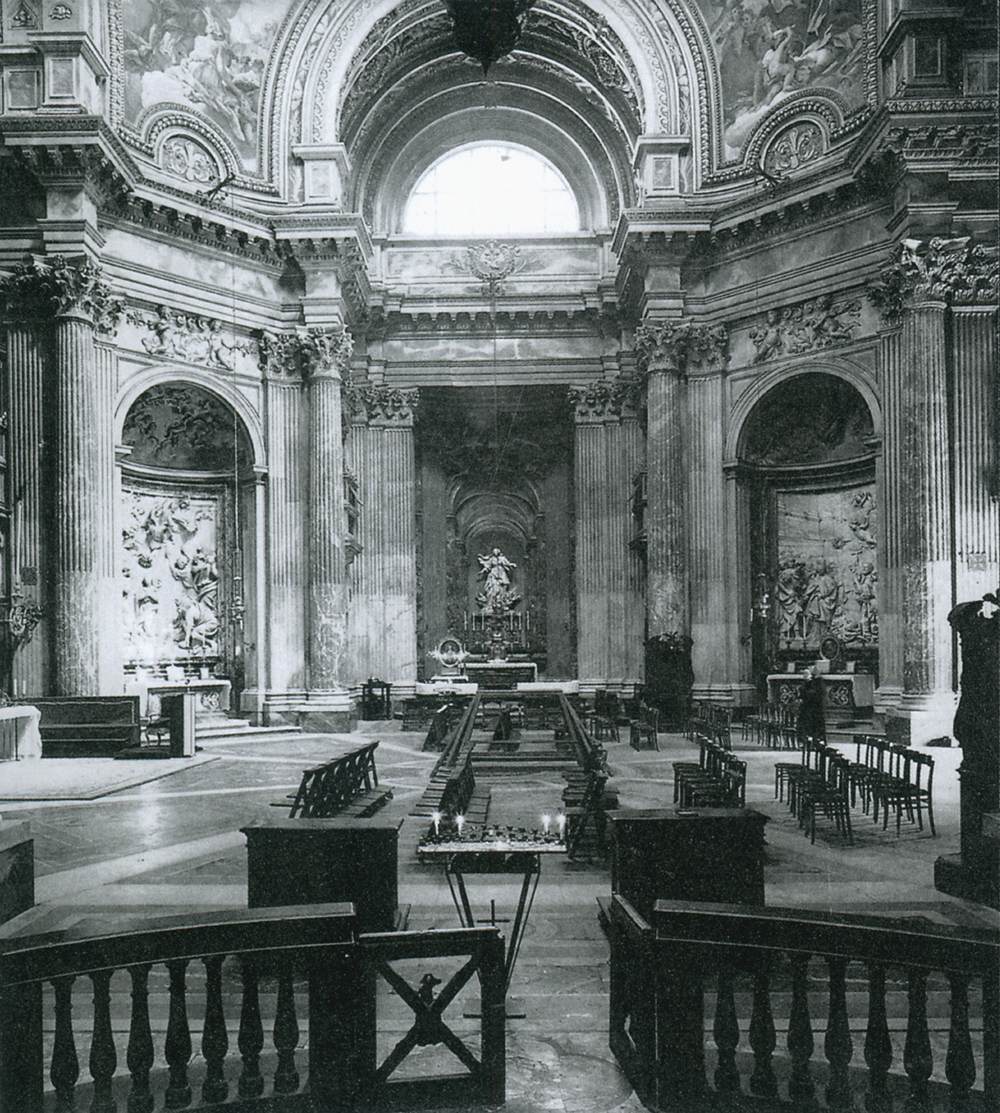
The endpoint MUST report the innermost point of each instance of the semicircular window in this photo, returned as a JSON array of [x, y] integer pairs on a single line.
[[182, 427], [491, 189]]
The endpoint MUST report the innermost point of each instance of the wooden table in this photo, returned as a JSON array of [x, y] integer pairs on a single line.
[[494, 856]]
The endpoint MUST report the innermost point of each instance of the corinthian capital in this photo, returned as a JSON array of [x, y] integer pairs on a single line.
[[328, 351], [280, 354], [43, 289], [680, 346], [949, 272], [603, 399], [382, 405]]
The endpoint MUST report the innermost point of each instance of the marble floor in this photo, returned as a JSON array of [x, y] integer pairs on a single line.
[[174, 845]]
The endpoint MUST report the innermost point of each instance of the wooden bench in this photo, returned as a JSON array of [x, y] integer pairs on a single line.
[[87, 726], [347, 786]]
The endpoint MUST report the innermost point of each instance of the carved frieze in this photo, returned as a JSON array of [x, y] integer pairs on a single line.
[[188, 337], [680, 346], [381, 405], [60, 287], [947, 271], [805, 327]]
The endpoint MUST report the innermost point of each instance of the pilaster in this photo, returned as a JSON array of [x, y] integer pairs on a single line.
[[383, 619]]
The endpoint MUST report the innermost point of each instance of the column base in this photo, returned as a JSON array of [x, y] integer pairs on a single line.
[[736, 695], [918, 719], [327, 711], [951, 877], [887, 698]]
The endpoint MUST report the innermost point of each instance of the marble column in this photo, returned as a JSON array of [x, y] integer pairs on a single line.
[[932, 440], [632, 457], [111, 663], [286, 496], [327, 353], [30, 496], [73, 295], [976, 423], [383, 620], [602, 485]]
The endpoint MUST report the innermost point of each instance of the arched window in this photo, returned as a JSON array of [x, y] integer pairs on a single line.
[[491, 189]]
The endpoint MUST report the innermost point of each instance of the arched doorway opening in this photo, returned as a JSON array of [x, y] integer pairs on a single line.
[[807, 464], [186, 547]]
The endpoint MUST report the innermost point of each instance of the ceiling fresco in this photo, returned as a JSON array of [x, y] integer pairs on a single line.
[[209, 55], [770, 50]]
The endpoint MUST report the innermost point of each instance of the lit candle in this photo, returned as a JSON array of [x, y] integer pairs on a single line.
[[561, 824], [546, 821], [436, 820], [459, 823]]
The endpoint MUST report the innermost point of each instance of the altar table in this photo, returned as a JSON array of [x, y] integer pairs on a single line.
[[20, 737]]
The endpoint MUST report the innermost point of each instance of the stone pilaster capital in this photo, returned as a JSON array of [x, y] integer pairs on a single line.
[[316, 352], [60, 287], [389, 407], [280, 354], [604, 400], [942, 272], [680, 346]]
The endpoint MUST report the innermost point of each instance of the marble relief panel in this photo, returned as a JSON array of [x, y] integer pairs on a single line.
[[826, 582], [170, 579], [209, 55]]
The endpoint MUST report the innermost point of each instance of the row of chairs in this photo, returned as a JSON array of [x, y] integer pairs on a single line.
[[888, 775], [711, 720], [717, 780], [885, 777], [771, 726]]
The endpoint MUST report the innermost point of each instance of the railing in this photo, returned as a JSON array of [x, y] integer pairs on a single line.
[[285, 967], [780, 968], [589, 754]]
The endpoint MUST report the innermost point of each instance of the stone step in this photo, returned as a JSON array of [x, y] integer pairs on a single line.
[[239, 728]]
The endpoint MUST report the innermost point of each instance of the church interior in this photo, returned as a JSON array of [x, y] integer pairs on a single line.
[[499, 555]]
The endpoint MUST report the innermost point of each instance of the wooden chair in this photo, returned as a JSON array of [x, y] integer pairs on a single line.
[[831, 797]]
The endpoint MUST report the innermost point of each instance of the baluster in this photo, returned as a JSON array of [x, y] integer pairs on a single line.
[[65, 1068], [177, 1049], [139, 1056], [286, 1035], [251, 1037], [959, 1063], [878, 1045], [918, 1061], [214, 1039], [800, 1033], [726, 1031], [762, 1038], [837, 1045], [103, 1059]]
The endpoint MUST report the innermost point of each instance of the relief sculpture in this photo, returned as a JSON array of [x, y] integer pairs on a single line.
[[170, 577], [826, 581]]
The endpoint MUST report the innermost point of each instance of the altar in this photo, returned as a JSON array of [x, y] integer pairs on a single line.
[[20, 737], [211, 696], [501, 676], [845, 695]]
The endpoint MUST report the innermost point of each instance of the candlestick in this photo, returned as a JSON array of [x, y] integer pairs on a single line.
[[436, 820], [459, 823], [561, 824], [546, 821]]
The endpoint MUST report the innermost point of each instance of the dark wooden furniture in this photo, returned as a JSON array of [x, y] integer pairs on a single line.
[[87, 726], [452, 788], [345, 786], [713, 854], [318, 861], [17, 869], [642, 729], [376, 699]]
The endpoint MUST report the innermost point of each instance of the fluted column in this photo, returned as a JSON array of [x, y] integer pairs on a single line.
[[384, 604], [632, 458], [602, 484], [976, 424], [930, 452], [286, 524], [75, 299], [892, 500], [111, 662], [327, 599], [30, 496]]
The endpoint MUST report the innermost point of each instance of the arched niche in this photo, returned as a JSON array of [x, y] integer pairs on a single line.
[[806, 466], [187, 545]]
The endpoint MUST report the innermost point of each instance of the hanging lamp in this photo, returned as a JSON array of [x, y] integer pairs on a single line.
[[487, 29]]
